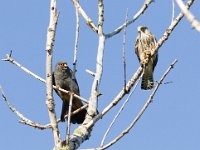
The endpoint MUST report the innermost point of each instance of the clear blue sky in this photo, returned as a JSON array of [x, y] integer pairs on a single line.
[[172, 120]]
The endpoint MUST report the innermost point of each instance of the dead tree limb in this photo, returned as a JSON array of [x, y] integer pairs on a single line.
[[190, 17], [49, 89]]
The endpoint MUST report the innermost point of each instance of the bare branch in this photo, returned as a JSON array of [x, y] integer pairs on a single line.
[[34, 124], [101, 17], [47, 126], [75, 95], [135, 17], [20, 115], [69, 118], [191, 18], [123, 50], [90, 72], [73, 75], [10, 59], [120, 110], [23, 120], [172, 26], [76, 42], [88, 20], [141, 111], [92, 109], [49, 90]]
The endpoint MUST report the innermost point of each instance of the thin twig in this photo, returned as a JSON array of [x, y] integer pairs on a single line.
[[20, 115], [172, 26], [73, 75], [120, 110], [135, 17], [76, 42], [90, 72], [88, 20], [142, 110], [190, 17], [10, 59], [124, 51], [23, 120], [69, 118], [47, 126]]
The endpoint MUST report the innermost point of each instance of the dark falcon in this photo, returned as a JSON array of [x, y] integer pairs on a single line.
[[62, 77], [144, 45]]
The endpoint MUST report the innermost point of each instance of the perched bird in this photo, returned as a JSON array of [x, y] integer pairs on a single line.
[[144, 45], [63, 78]]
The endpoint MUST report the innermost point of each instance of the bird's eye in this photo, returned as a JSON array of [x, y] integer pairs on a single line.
[[143, 29], [63, 65]]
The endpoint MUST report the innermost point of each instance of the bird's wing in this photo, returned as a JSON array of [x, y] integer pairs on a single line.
[[53, 79], [137, 48], [74, 83]]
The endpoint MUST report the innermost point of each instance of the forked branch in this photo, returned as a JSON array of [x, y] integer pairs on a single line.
[[88, 20], [135, 17], [190, 17]]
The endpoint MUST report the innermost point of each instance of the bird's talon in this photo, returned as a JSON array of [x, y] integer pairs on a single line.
[[144, 62], [147, 53]]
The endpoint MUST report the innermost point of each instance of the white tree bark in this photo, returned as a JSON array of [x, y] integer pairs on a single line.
[[49, 89], [191, 18]]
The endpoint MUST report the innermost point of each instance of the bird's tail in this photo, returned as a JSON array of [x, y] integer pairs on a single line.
[[147, 79], [76, 118], [64, 111], [80, 116]]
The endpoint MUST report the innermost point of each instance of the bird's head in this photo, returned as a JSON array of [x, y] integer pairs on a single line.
[[62, 71], [142, 29], [61, 65]]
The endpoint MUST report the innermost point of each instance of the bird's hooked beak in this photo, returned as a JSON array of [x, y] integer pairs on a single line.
[[63, 66], [139, 29]]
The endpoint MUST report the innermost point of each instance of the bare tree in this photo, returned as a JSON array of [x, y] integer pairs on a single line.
[[83, 131]]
